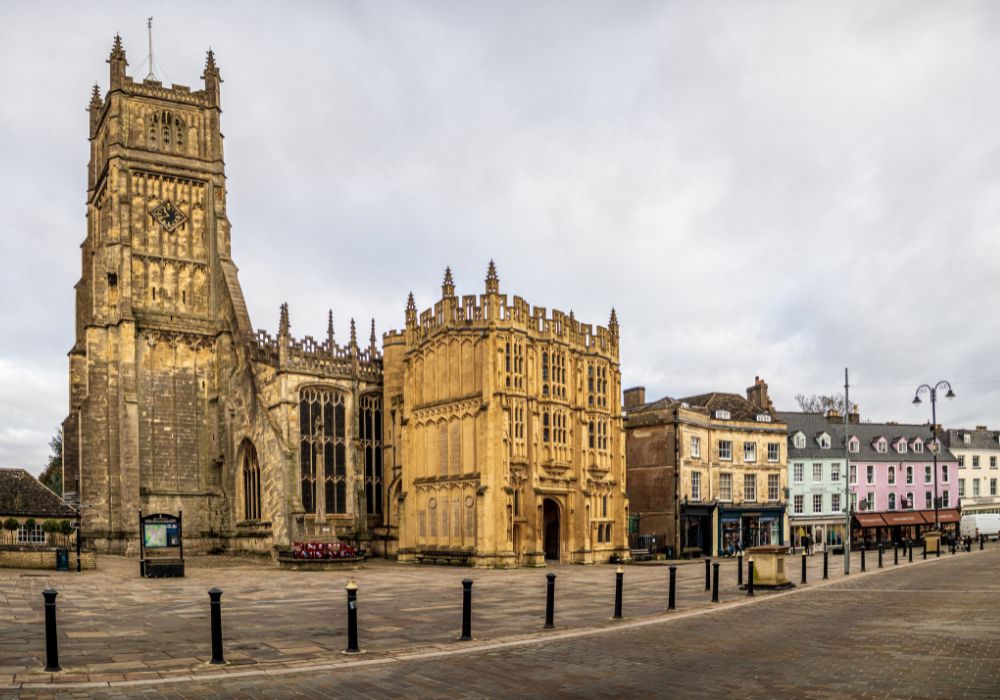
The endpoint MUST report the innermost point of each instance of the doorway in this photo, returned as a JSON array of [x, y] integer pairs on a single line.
[[550, 529]]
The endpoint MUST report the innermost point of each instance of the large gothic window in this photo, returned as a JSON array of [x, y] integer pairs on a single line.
[[370, 435], [322, 449], [251, 482]]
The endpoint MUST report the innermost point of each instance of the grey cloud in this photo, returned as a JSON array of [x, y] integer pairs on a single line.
[[778, 188]]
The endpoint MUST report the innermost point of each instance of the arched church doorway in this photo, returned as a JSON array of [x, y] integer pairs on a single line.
[[550, 529]]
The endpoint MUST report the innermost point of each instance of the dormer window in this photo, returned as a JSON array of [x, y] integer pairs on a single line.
[[824, 441], [853, 445], [763, 417], [799, 441], [967, 439], [722, 415], [881, 446], [918, 446], [901, 446]]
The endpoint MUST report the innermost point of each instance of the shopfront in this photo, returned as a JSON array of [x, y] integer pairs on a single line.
[[740, 528], [696, 528], [896, 526], [822, 532]]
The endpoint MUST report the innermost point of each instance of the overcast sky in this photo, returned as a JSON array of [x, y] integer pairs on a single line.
[[779, 189]]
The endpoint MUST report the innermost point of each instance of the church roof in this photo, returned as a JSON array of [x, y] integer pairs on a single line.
[[23, 495]]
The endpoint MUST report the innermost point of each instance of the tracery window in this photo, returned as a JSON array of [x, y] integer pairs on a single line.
[[251, 483], [559, 374], [322, 449], [602, 387], [545, 374], [370, 436], [166, 131]]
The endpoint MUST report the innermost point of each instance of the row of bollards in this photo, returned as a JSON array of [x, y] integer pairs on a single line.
[[711, 583]]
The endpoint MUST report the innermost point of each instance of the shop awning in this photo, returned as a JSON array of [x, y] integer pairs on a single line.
[[946, 516], [869, 519], [910, 518]]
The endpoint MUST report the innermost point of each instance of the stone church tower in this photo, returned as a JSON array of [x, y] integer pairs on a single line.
[[504, 433], [175, 403]]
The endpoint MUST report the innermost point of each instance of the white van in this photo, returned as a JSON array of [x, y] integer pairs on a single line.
[[975, 524]]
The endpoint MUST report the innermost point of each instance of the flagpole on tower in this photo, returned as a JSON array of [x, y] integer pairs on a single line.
[[149, 29]]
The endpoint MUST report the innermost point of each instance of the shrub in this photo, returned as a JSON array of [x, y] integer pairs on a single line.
[[11, 524], [66, 527], [51, 526], [29, 524]]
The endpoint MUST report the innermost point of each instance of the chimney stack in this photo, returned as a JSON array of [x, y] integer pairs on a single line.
[[757, 395], [636, 396]]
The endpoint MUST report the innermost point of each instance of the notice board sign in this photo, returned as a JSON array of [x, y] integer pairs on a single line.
[[161, 545]]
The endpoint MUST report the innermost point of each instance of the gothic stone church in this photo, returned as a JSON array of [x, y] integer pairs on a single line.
[[177, 404]]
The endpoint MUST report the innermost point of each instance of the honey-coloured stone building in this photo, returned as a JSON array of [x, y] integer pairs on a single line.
[[176, 404], [504, 429]]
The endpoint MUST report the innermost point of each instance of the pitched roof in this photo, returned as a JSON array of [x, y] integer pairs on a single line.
[[867, 433], [739, 408], [22, 494], [979, 439]]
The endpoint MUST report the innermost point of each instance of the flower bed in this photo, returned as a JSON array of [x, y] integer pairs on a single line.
[[323, 550]]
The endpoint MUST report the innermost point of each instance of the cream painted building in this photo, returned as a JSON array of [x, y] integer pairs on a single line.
[[503, 432], [978, 455]]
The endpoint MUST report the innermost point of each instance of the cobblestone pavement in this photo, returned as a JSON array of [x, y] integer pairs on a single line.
[[872, 634]]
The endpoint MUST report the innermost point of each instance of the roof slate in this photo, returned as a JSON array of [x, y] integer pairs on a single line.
[[21, 494], [980, 439], [867, 433]]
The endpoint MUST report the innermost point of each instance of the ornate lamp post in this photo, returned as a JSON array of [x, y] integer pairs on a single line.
[[934, 447]]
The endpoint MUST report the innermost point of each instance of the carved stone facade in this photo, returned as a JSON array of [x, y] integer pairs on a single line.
[[175, 403], [504, 433]]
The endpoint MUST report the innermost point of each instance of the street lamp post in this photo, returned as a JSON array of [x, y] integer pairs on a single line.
[[933, 390]]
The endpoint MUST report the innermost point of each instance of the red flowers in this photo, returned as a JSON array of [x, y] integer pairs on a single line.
[[323, 550]]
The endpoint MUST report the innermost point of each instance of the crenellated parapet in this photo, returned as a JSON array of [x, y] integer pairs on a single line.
[[311, 356], [498, 311]]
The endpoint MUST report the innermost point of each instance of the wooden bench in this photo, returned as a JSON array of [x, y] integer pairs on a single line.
[[640, 554], [691, 553]]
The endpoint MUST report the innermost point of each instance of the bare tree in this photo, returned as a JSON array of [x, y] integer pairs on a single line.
[[820, 403], [51, 476]]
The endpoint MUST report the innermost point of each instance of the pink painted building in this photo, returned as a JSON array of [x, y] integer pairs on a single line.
[[892, 482]]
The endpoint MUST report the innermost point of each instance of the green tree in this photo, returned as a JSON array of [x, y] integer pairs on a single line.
[[51, 476]]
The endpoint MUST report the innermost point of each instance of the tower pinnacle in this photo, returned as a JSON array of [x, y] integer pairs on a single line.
[[372, 342], [117, 62], [329, 328], [95, 98], [492, 281], [283, 325], [448, 287]]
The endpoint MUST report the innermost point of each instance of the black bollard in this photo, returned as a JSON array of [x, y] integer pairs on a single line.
[[925, 549], [895, 553], [880, 550], [937, 552], [739, 570], [466, 610], [352, 617], [550, 601], [715, 582], [51, 643], [862, 557], [708, 574], [750, 576], [803, 567], [671, 595], [981, 538], [215, 608], [619, 582], [826, 571], [910, 551]]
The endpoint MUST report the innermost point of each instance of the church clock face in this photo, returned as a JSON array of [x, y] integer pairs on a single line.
[[168, 216]]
